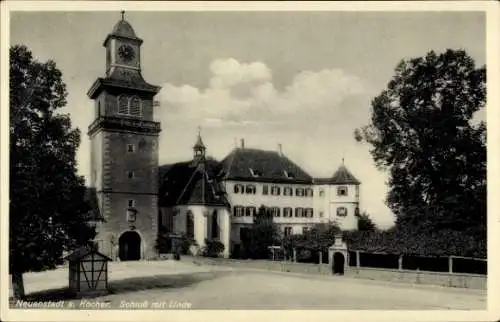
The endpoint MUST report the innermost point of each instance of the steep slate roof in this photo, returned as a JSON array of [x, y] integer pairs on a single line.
[[189, 183], [270, 166], [341, 176]]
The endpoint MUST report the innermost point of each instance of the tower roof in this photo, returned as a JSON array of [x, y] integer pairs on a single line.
[[199, 143], [344, 176], [341, 176], [122, 29]]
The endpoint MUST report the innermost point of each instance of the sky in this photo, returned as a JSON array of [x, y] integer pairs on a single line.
[[304, 80]]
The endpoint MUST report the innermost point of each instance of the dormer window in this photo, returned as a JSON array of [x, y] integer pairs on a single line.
[[342, 191], [288, 174], [255, 173]]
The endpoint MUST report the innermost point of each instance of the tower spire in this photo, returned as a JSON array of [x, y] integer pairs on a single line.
[[123, 14]]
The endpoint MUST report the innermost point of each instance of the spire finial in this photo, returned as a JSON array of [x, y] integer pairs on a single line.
[[123, 14], [199, 130]]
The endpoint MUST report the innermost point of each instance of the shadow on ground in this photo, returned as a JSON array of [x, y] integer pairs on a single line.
[[128, 285]]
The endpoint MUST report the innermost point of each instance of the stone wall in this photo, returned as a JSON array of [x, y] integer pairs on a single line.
[[471, 281]]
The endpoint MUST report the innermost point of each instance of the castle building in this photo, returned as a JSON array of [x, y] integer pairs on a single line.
[[141, 203]]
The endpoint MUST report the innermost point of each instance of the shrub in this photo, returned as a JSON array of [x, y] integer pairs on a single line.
[[212, 248]]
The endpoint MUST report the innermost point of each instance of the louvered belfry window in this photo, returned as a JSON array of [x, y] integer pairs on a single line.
[[135, 106], [129, 105], [122, 104]]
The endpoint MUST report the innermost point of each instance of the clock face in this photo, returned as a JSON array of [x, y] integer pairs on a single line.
[[126, 52]]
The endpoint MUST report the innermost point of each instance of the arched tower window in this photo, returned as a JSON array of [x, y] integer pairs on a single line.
[[189, 224], [135, 106], [122, 104], [215, 225]]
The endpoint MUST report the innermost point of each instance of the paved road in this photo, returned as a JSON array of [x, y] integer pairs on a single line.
[[183, 284]]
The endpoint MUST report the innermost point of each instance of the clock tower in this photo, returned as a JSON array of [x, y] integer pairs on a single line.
[[124, 150]]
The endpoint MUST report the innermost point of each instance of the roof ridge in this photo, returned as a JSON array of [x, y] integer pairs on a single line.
[[231, 154], [187, 184]]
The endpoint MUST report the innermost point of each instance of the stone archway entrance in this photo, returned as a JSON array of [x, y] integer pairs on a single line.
[[338, 263], [129, 246]]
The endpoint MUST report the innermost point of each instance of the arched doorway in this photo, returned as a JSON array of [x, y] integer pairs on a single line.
[[338, 263], [129, 246]]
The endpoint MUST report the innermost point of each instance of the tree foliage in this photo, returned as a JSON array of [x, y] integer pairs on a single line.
[[261, 235], [365, 223], [422, 132], [319, 238], [48, 208]]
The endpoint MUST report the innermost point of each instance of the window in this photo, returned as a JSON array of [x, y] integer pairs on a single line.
[[288, 174], [341, 211], [130, 148], [287, 231], [305, 230], [321, 214], [135, 106], [357, 191], [287, 191], [250, 189], [275, 190], [309, 212], [129, 105], [265, 189], [299, 192], [255, 173], [238, 188], [299, 212], [342, 191], [215, 225], [275, 212], [250, 212], [238, 211], [189, 224], [321, 192], [287, 212], [131, 203], [122, 104], [309, 192], [131, 174]]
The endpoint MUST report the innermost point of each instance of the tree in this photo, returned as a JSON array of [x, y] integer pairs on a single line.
[[261, 235], [421, 131], [48, 205], [365, 223]]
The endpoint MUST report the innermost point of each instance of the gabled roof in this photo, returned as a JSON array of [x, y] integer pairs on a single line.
[[192, 183], [83, 251], [341, 176], [260, 165]]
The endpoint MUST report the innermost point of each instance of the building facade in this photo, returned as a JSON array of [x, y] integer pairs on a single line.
[[124, 151], [142, 204]]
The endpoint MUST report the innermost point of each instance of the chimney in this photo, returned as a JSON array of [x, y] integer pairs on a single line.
[[242, 141], [280, 148]]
